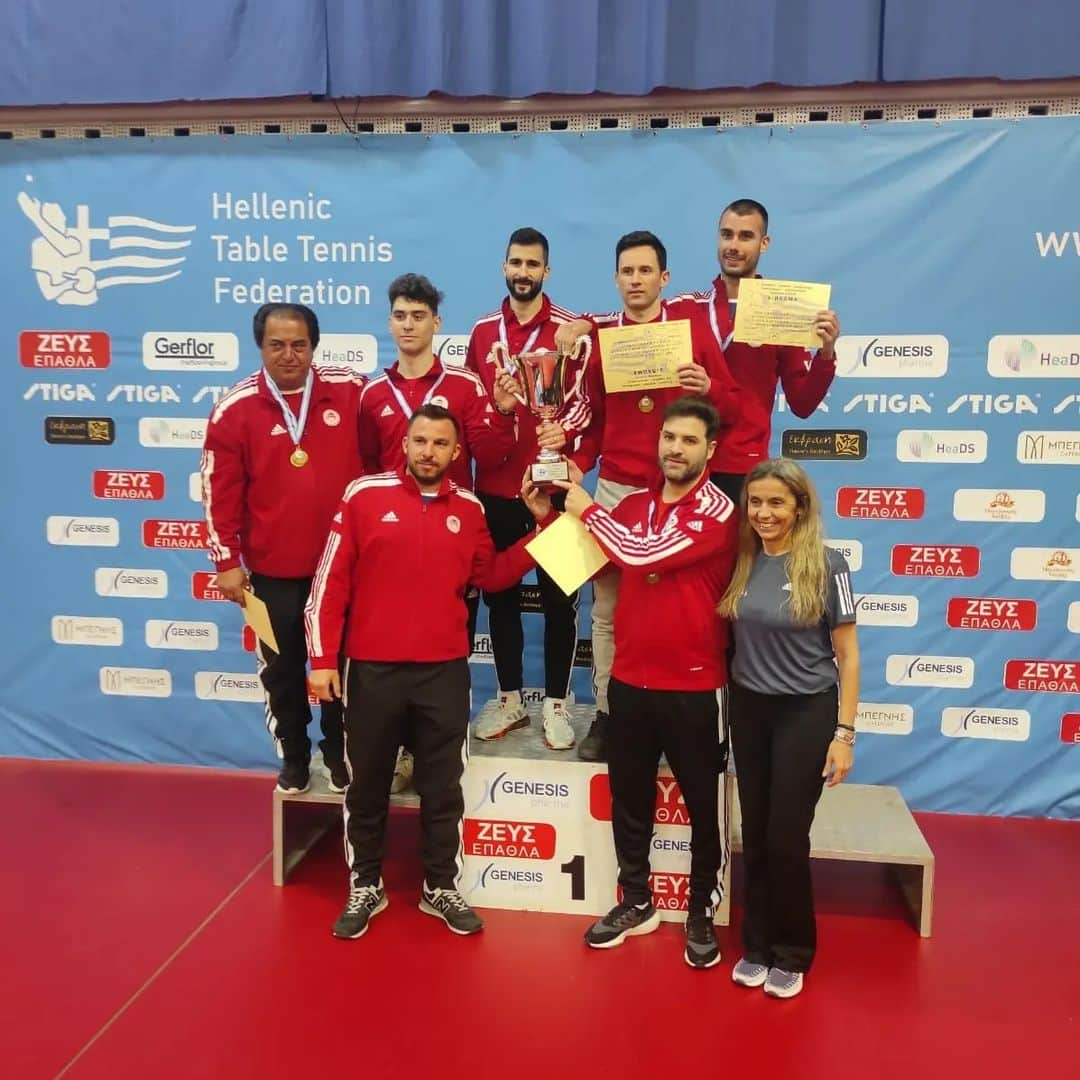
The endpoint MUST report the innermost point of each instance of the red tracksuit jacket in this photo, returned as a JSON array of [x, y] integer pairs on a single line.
[[623, 436], [805, 378], [676, 561], [504, 480], [486, 434], [260, 509], [399, 565]]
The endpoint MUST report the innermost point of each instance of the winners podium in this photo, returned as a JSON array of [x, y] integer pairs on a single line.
[[537, 831]]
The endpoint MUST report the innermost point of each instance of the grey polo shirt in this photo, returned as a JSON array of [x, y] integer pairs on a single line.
[[772, 654]]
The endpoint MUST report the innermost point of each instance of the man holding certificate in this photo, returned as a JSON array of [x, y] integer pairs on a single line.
[[280, 449], [649, 355]]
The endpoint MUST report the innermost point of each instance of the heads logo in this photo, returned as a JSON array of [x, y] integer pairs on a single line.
[[1038, 356], [68, 272], [1009, 725], [917, 445], [359, 351], [539, 793], [160, 431]]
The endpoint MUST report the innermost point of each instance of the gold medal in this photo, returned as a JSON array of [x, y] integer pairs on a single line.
[[646, 404], [652, 579], [299, 457]]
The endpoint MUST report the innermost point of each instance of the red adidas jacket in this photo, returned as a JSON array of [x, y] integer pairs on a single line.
[[261, 510], [399, 564], [676, 561], [504, 480]]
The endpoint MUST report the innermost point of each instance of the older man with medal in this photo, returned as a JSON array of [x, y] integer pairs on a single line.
[[625, 424], [280, 449]]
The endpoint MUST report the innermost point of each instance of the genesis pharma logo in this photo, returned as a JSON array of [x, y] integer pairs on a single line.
[[1009, 725], [896, 356], [1036, 356], [883, 609], [168, 634], [509, 839], [852, 550], [124, 582], [82, 531], [918, 446], [494, 876], [506, 788], [451, 348], [228, 686], [942, 671]]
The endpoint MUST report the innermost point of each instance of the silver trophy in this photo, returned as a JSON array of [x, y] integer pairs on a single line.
[[547, 386]]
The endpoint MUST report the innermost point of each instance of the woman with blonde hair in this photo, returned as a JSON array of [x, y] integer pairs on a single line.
[[792, 726]]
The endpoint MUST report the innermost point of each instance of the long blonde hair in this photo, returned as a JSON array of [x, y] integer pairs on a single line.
[[806, 561]]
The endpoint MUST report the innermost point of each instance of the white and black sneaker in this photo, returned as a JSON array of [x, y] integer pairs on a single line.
[[702, 949], [622, 921], [294, 777], [450, 906], [365, 901]]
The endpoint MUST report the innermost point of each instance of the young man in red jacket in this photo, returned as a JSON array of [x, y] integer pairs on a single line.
[[675, 544], [526, 322], [280, 449], [403, 548], [625, 426]]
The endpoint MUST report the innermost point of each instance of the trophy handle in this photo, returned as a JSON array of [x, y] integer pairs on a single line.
[[500, 348], [582, 349]]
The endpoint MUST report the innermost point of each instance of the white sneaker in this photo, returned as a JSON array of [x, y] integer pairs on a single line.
[[509, 713], [403, 772], [558, 734]]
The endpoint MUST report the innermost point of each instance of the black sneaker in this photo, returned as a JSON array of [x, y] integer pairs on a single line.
[[621, 922], [702, 948], [364, 902], [337, 776], [293, 777], [594, 746], [450, 906]]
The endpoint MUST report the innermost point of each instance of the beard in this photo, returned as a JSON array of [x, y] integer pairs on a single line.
[[679, 473], [430, 476], [519, 292]]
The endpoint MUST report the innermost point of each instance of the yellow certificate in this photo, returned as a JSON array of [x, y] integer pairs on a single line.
[[645, 356], [567, 551], [257, 617], [771, 312]]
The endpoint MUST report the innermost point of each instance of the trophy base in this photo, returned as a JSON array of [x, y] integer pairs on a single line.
[[544, 472]]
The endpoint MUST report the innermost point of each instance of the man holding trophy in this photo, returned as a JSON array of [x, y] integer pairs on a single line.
[[519, 338]]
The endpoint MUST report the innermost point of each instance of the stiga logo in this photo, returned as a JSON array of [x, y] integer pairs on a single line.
[[158, 431], [1070, 403], [360, 351], [482, 652], [162, 533], [1039, 356], [133, 394], [509, 839], [918, 446], [204, 586], [822, 445], [670, 804], [993, 404], [1070, 728], [991, 504], [895, 356], [135, 681], [210, 394], [506, 788], [850, 549], [51, 391], [1048, 447], [118, 581], [167, 634], [670, 892], [80, 430], [1045, 564], [53, 349], [227, 686], [991, 613], [933, 560], [183, 351], [880, 502], [1043, 676], [882, 609], [116, 484], [451, 348], [1011, 725], [888, 403], [884, 719], [944, 671], [82, 531], [84, 630]]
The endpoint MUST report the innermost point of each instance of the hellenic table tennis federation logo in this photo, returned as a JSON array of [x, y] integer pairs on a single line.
[[130, 251]]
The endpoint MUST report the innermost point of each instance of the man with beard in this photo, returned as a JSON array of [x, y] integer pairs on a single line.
[[675, 544], [526, 322], [403, 547]]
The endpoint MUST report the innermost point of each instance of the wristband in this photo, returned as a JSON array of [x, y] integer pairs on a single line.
[[846, 727], [845, 737]]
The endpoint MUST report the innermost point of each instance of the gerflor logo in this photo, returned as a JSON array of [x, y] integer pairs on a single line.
[[993, 404], [888, 403], [59, 392], [73, 262]]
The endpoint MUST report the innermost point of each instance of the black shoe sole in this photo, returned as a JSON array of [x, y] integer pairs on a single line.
[[292, 790], [647, 927], [429, 909], [701, 967], [382, 905]]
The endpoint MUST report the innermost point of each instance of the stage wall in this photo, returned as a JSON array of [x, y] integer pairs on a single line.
[[947, 458]]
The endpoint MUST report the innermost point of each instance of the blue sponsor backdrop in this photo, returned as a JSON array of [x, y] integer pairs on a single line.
[[935, 237]]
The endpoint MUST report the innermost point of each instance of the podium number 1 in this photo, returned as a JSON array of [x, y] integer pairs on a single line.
[[576, 869]]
